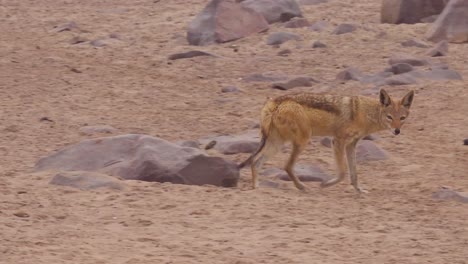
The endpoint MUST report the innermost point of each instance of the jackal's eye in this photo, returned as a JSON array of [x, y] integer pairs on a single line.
[[402, 118], [389, 117]]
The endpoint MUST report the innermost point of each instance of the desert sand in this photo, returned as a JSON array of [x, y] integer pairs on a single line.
[[50, 88]]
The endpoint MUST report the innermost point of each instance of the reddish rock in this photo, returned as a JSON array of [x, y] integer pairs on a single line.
[[409, 11], [222, 21], [452, 24], [275, 10], [145, 158]]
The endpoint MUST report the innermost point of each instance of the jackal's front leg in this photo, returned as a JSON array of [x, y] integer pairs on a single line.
[[339, 152], [351, 156]]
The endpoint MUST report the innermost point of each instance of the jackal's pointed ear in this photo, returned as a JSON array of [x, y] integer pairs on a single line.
[[407, 100], [385, 99]]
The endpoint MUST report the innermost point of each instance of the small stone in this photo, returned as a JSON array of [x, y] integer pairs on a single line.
[[318, 26], [349, 74], [230, 89], [318, 44], [189, 54], [409, 59], [77, 40], [278, 38], [465, 142], [327, 142], [300, 81], [266, 77], [297, 23], [66, 27], [414, 43], [284, 52], [98, 43], [98, 129], [21, 214], [344, 28], [401, 68], [210, 144]]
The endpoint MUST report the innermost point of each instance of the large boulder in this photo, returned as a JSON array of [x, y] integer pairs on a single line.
[[275, 10], [146, 158], [222, 21], [86, 180], [247, 142], [452, 24], [409, 11]]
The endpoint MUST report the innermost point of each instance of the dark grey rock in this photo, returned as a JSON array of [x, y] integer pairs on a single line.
[[318, 26], [318, 44], [189, 54], [408, 59], [305, 173], [349, 74], [297, 22], [233, 144], [278, 38], [344, 28], [414, 43], [301, 81], [400, 68], [448, 194], [230, 89], [275, 10]]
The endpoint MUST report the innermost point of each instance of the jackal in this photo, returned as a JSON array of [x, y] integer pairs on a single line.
[[297, 117]]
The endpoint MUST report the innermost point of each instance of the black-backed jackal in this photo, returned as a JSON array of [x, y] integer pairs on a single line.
[[297, 117]]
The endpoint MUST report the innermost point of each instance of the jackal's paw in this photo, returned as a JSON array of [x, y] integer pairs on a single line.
[[302, 187], [361, 190]]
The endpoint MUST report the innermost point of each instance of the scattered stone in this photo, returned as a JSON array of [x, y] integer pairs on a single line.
[[98, 43], [278, 38], [86, 180], [305, 173], [317, 44], [465, 142], [409, 11], [284, 52], [265, 77], [349, 74], [375, 78], [115, 36], [98, 129], [452, 24], [210, 144], [66, 27], [408, 59], [301, 81], [78, 39], [234, 144], [318, 26], [400, 68], [145, 158], [414, 43], [400, 79], [230, 89], [440, 49], [223, 21], [438, 75], [311, 2], [344, 28], [21, 214], [189, 54], [297, 23], [327, 142], [275, 10], [448, 194]]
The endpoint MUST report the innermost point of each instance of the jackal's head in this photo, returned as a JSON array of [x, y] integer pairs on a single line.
[[394, 113]]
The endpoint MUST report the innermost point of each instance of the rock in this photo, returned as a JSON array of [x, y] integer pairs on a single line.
[[188, 143], [447, 194], [234, 144], [375, 78], [349, 74], [284, 52], [400, 79], [409, 11], [98, 129], [98, 43], [86, 180], [311, 2], [278, 38], [440, 49], [438, 75], [189, 54], [400, 68], [297, 23], [265, 77], [223, 21], [78, 39], [344, 28], [301, 81], [230, 89], [408, 59], [452, 24], [305, 173], [318, 44], [21, 214], [366, 150], [66, 27], [318, 26], [465, 142], [145, 158], [414, 43], [275, 10]]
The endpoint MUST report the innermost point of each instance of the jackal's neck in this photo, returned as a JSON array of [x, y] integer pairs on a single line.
[[373, 115]]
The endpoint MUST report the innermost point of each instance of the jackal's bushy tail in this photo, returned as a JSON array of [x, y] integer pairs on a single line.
[[265, 125]]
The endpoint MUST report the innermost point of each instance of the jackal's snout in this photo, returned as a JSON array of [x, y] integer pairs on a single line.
[[396, 131]]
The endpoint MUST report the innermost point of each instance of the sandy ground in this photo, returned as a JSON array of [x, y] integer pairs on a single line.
[[129, 85]]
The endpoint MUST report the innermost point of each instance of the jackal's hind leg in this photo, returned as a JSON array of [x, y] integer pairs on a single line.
[[339, 152], [297, 149], [271, 148]]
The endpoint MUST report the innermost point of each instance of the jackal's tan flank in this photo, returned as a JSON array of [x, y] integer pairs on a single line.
[[297, 117]]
